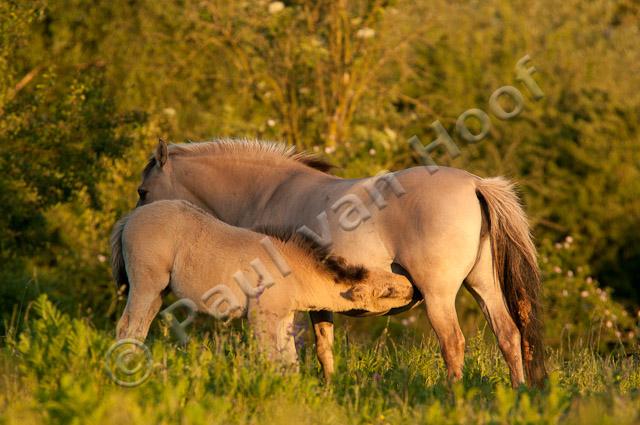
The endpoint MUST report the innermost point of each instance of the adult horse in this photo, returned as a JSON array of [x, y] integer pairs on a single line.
[[440, 227]]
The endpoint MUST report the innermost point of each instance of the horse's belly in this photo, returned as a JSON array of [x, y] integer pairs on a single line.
[[364, 313]]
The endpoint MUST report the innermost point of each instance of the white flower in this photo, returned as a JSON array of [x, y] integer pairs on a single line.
[[609, 324], [169, 111], [570, 273], [372, 151], [565, 293], [271, 122], [102, 258], [329, 149], [557, 269], [365, 33], [584, 294], [276, 6], [569, 239]]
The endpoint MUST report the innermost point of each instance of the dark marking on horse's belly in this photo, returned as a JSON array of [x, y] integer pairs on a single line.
[[416, 300], [397, 310]]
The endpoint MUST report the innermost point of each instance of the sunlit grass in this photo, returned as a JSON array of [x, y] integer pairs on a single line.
[[54, 373]]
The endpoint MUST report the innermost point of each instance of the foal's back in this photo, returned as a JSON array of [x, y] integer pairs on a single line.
[[195, 250]]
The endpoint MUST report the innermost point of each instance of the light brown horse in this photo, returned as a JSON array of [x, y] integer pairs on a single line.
[[441, 228], [176, 245]]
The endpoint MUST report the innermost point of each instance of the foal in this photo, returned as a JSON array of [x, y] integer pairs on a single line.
[[176, 245]]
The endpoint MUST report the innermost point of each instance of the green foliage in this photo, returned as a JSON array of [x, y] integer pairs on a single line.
[[58, 133], [54, 135], [577, 307], [53, 372]]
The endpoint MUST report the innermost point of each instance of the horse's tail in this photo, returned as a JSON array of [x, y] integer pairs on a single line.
[[516, 267], [118, 267]]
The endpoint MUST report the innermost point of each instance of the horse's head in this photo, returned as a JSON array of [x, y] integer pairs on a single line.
[[157, 178]]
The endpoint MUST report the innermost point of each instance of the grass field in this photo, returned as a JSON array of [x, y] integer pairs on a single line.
[[54, 372]]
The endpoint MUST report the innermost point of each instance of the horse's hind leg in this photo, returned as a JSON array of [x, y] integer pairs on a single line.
[[442, 315], [439, 286], [323, 329], [486, 290]]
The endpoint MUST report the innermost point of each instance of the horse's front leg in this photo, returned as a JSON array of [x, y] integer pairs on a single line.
[[323, 329]]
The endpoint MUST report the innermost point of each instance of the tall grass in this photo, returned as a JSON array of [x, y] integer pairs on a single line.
[[53, 372]]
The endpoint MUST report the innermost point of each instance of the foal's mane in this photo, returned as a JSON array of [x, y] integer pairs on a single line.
[[243, 148], [336, 266]]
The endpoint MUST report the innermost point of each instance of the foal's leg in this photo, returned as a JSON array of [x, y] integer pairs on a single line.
[[486, 290], [136, 319], [323, 329], [143, 303], [275, 335]]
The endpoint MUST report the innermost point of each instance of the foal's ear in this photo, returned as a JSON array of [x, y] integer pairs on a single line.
[[162, 153]]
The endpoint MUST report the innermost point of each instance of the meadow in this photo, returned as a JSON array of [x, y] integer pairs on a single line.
[[54, 372]]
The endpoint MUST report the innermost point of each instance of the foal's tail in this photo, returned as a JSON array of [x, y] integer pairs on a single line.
[[118, 268], [515, 264]]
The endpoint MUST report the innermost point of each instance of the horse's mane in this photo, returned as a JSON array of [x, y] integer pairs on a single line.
[[336, 266], [243, 147]]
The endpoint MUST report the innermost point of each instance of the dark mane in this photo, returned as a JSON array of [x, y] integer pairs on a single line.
[[149, 167], [314, 161], [336, 266]]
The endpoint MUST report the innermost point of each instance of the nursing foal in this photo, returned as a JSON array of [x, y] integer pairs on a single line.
[[176, 245]]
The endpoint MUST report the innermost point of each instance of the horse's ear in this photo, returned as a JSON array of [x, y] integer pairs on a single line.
[[162, 153]]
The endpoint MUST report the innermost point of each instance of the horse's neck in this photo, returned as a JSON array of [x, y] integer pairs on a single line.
[[248, 193]]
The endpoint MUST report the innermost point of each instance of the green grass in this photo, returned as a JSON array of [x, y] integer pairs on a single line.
[[53, 372]]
